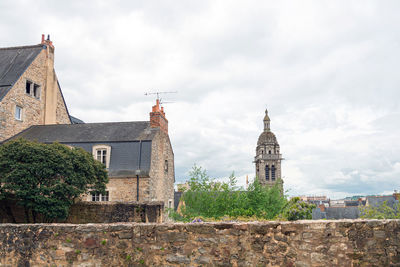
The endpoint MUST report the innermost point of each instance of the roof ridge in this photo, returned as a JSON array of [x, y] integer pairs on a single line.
[[110, 122], [21, 47]]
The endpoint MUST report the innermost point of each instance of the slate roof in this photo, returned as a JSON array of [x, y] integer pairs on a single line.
[[177, 199], [332, 213], [13, 63], [89, 132], [131, 142], [75, 120]]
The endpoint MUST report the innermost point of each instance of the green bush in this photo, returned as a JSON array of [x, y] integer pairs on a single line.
[[46, 178], [208, 198], [296, 209], [382, 211]]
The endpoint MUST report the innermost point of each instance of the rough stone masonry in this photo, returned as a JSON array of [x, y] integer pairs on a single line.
[[302, 243]]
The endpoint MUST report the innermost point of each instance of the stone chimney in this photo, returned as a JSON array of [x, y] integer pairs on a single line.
[[51, 85], [158, 119]]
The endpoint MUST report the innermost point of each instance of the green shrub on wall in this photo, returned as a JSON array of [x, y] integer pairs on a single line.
[[45, 179]]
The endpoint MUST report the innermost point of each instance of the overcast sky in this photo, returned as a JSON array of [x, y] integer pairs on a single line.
[[328, 72]]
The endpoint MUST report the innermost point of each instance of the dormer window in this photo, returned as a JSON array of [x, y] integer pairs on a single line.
[[32, 89], [102, 153]]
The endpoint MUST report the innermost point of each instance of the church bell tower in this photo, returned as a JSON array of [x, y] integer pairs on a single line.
[[268, 158]]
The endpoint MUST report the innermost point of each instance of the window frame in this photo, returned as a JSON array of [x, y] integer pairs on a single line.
[[18, 107], [166, 166], [32, 87], [267, 176], [273, 173], [96, 148], [100, 197]]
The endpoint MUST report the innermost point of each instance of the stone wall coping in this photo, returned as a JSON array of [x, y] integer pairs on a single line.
[[213, 224], [141, 203]]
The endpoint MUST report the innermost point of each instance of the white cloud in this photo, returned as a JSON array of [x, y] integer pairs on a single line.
[[326, 70]]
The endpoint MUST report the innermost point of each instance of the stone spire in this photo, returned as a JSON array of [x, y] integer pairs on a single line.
[[267, 122]]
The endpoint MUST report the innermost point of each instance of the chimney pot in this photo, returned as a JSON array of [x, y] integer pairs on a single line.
[[158, 119]]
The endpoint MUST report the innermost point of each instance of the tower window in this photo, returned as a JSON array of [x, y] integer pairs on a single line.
[[267, 172], [269, 152], [273, 173]]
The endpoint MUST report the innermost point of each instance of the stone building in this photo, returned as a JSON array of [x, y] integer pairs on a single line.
[[138, 155], [29, 90], [268, 158]]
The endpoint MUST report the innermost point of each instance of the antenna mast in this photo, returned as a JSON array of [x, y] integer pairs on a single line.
[[158, 95]]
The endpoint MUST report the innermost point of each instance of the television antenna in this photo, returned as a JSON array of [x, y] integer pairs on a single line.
[[160, 93]]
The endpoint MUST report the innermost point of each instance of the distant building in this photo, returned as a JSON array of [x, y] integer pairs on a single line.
[[316, 200], [375, 201], [268, 158]]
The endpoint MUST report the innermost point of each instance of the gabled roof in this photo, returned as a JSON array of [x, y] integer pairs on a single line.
[[89, 132], [13, 63]]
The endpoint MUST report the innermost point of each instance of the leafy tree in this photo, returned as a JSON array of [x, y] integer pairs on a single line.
[[382, 211], [46, 178], [296, 209], [210, 198]]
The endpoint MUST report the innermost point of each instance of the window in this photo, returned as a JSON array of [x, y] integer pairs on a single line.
[[273, 173], [28, 87], [36, 91], [100, 197], [170, 203], [269, 152], [267, 172], [32, 89], [166, 166], [102, 153], [18, 113]]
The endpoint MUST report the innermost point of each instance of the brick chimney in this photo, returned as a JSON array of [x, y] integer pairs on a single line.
[[158, 119], [50, 86], [47, 41]]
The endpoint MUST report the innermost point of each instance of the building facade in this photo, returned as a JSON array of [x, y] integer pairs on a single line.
[[29, 90], [268, 158], [138, 155]]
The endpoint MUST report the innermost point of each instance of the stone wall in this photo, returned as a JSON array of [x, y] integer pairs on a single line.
[[304, 243], [124, 189], [162, 176], [96, 212]]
